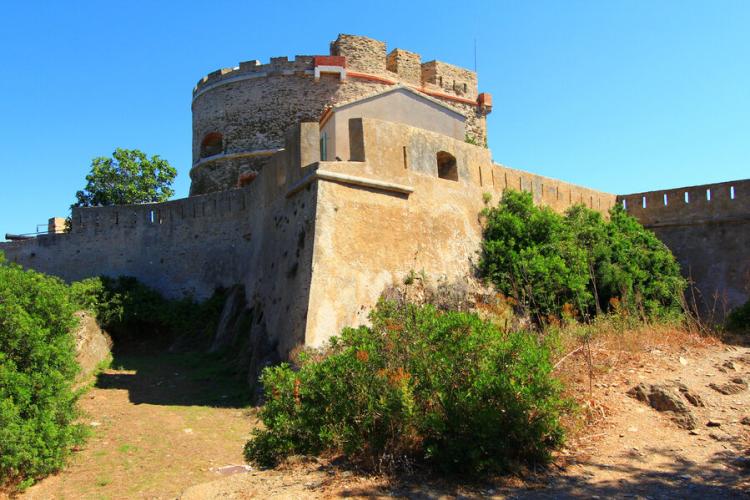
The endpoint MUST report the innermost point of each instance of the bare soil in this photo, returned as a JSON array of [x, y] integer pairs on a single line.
[[167, 426], [159, 424]]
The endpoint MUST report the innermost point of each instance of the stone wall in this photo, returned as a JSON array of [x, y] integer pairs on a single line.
[[407, 65], [254, 236], [708, 229], [251, 105], [390, 213], [362, 53]]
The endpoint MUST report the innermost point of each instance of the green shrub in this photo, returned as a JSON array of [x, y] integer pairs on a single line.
[[37, 371], [419, 384], [739, 318], [130, 310], [577, 264]]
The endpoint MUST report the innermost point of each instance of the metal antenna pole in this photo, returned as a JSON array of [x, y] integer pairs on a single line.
[[475, 55]]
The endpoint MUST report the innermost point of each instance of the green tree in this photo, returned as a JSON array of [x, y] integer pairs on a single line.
[[531, 255], [130, 176], [545, 260]]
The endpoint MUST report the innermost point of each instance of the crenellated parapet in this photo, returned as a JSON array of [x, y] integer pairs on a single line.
[[707, 228], [363, 57], [277, 66], [720, 202]]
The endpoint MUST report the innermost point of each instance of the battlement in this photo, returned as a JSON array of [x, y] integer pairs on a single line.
[[720, 202], [300, 65], [95, 220], [364, 58]]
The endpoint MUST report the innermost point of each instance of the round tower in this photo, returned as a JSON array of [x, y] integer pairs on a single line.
[[241, 114]]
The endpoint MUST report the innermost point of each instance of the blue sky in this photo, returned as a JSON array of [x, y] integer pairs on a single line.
[[622, 96]]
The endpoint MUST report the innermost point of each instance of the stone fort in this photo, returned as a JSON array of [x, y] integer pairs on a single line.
[[319, 182]]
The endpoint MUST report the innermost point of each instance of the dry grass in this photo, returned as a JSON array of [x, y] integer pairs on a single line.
[[587, 355]]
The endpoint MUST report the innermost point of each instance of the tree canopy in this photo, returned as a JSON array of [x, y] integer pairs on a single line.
[[578, 262], [128, 177]]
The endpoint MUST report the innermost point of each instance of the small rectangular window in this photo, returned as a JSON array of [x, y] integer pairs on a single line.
[[625, 204], [666, 200], [708, 194], [731, 192], [687, 197], [324, 146], [644, 202]]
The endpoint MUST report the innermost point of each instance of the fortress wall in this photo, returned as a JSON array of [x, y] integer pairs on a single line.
[[368, 239], [183, 247], [392, 150], [710, 238], [254, 236], [556, 194]]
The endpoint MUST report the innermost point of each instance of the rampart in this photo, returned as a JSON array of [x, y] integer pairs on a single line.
[[254, 236], [708, 229], [240, 113], [390, 212], [313, 242]]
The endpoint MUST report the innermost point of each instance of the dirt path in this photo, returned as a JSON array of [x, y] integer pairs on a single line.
[[630, 450], [638, 451], [159, 424], [163, 425]]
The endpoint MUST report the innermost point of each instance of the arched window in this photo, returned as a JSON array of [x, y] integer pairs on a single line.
[[212, 144], [446, 164]]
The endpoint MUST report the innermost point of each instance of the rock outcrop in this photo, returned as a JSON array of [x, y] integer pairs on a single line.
[[93, 345]]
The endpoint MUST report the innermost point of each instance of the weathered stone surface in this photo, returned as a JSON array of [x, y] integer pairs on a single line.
[[734, 386], [227, 329], [665, 398], [93, 345], [693, 398]]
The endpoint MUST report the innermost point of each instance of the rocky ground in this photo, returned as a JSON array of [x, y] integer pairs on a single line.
[[666, 418], [698, 446]]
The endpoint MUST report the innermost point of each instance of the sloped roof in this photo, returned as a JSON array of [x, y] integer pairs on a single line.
[[400, 88]]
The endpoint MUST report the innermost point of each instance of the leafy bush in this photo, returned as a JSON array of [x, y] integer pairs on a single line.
[[445, 387], [130, 310], [739, 318], [37, 371], [578, 264]]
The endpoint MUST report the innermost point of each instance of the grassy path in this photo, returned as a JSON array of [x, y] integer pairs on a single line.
[[160, 423]]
